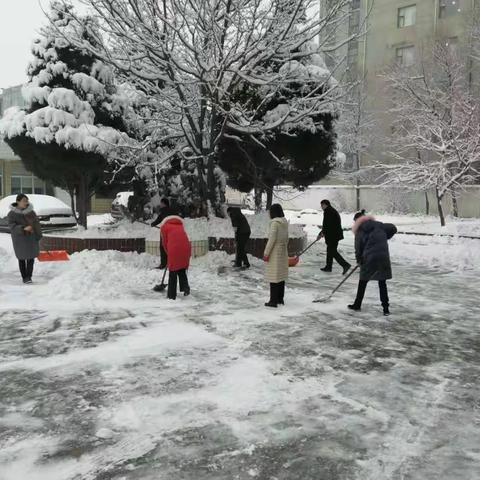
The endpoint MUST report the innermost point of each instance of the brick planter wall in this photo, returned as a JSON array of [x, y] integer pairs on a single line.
[[255, 246], [72, 245]]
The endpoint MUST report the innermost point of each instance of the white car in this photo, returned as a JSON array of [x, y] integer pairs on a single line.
[[51, 211]]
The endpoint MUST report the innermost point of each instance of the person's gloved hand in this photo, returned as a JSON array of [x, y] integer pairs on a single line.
[[266, 258]]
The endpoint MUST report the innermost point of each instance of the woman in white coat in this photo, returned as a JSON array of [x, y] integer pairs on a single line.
[[276, 256]]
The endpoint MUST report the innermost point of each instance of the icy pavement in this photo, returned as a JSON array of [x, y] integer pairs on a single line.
[[102, 379]]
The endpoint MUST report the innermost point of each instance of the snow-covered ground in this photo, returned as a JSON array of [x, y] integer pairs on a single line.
[[421, 224], [103, 379]]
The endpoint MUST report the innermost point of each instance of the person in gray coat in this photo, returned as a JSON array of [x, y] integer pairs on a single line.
[[373, 256], [26, 234]]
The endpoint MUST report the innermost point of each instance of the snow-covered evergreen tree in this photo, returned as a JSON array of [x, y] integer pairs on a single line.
[[74, 119]]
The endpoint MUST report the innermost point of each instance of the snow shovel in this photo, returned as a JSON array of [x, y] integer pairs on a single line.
[[53, 256], [328, 297], [293, 261], [162, 286]]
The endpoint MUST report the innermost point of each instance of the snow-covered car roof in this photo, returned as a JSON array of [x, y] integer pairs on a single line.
[[42, 204]]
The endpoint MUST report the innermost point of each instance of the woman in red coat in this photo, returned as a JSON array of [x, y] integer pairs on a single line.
[[177, 246]]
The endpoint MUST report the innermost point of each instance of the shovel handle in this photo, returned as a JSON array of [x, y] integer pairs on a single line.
[[308, 247], [349, 274]]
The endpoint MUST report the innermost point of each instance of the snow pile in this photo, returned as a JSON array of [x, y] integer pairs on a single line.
[[196, 228], [100, 219], [123, 229], [96, 275], [259, 225], [436, 252]]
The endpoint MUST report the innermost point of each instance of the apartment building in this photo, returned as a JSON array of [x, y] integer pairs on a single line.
[[396, 31]]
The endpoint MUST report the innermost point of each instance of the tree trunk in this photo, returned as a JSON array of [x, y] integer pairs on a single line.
[[269, 197], [216, 193], [357, 192], [455, 203], [71, 192], [82, 201], [427, 204], [440, 208], [202, 188], [258, 193]]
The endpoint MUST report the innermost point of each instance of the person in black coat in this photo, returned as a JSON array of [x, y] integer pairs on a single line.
[[165, 211], [373, 256], [332, 232], [242, 234]]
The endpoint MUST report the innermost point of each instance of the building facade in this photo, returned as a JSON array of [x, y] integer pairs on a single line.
[[14, 178], [395, 31]]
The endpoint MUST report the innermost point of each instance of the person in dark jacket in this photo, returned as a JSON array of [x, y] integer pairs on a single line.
[[242, 234], [165, 211], [332, 232], [26, 234], [371, 250]]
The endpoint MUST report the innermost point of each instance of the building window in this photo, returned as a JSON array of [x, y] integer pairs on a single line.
[[405, 56], [407, 16], [27, 184], [448, 8]]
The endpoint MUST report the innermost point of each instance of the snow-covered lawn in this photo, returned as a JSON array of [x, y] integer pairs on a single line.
[[421, 224], [100, 378]]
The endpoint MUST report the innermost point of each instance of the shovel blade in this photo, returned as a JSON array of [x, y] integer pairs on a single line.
[[159, 288], [293, 261], [322, 300], [53, 256]]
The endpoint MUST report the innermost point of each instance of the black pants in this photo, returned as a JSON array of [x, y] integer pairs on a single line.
[[241, 257], [163, 256], [332, 253], [362, 286], [277, 293], [26, 267], [172, 283]]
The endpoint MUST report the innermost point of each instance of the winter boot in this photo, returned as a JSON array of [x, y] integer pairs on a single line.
[[326, 269], [271, 304], [386, 310], [186, 292], [355, 307]]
